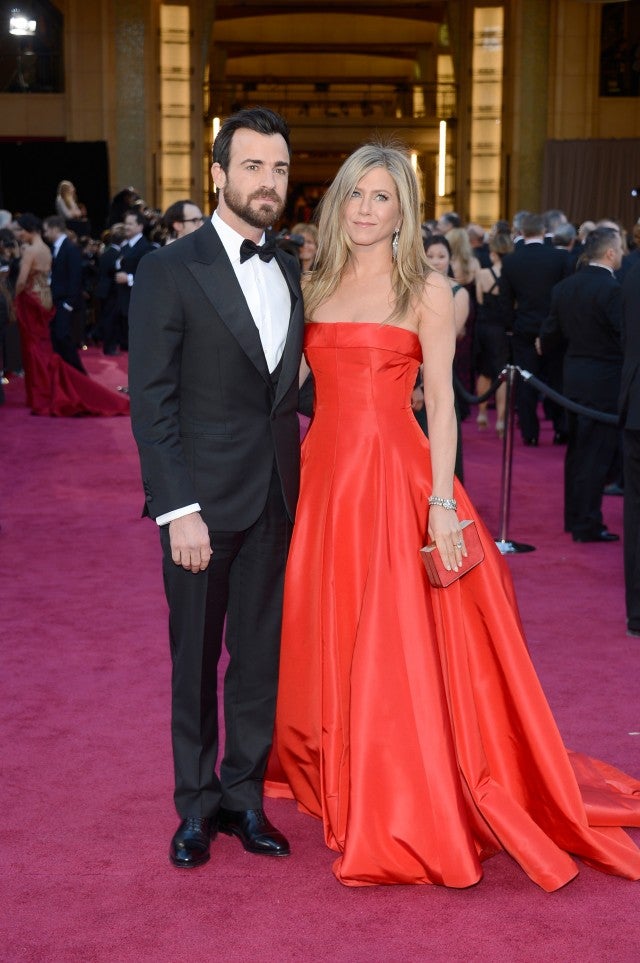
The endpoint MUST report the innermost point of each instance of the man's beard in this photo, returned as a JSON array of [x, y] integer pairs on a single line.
[[261, 217]]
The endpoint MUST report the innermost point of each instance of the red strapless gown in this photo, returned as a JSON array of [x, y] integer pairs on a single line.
[[410, 719], [52, 386]]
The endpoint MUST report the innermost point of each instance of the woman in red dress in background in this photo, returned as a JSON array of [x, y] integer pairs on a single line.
[[410, 719], [52, 386]]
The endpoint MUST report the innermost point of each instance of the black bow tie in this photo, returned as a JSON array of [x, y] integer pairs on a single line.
[[264, 251]]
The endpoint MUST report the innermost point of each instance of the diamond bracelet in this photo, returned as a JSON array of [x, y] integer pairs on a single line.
[[449, 503]]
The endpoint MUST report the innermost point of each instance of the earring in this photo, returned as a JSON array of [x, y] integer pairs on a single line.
[[394, 244]]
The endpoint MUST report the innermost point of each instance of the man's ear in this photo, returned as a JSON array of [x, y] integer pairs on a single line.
[[218, 175]]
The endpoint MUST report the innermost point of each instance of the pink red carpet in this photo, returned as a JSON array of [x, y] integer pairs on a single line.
[[86, 769]]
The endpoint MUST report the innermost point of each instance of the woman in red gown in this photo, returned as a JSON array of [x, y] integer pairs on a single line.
[[410, 719], [52, 386]]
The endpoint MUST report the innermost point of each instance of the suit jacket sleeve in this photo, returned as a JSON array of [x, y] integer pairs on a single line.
[[156, 333], [551, 332], [506, 295]]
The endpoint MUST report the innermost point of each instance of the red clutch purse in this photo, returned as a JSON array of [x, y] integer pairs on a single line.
[[438, 575]]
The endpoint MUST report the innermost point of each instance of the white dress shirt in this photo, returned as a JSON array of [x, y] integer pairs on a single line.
[[269, 301], [265, 290]]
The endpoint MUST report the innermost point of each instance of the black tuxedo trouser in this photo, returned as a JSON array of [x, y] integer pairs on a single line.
[[547, 369], [244, 582], [591, 448], [631, 470], [62, 337]]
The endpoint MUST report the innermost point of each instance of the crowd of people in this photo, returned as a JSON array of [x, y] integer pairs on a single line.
[[407, 718]]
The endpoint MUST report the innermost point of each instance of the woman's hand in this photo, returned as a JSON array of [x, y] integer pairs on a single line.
[[444, 530]]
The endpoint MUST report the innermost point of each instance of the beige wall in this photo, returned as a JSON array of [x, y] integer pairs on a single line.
[[551, 86]]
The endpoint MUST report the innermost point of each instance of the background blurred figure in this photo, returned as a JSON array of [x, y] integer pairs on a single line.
[[124, 201], [181, 218], [67, 327], [492, 340], [528, 276], [447, 221], [465, 268], [307, 250], [479, 244], [586, 314], [630, 421], [132, 251], [69, 208], [106, 290], [438, 255]]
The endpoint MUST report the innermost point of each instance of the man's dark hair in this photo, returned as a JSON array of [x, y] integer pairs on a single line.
[[452, 218], [29, 222], [139, 216], [175, 213], [599, 242], [532, 225], [55, 221], [260, 119]]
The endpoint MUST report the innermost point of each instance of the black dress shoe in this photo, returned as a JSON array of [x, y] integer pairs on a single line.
[[530, 442], [603, 536], [613, 489], [190, 844], [254, 831], [560, 438]]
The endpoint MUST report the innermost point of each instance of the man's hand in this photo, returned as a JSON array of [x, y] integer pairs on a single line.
[[121, 277], [190, 543], [417, 399]]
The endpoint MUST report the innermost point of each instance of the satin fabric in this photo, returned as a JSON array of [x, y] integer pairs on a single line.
[[410, 719], [52, 386]]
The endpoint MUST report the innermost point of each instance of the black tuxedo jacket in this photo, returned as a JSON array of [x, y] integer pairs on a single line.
[[586, 316], [206, 415], [105, 289], [630, 388], [526, 281], [66, 275], [130, 258]]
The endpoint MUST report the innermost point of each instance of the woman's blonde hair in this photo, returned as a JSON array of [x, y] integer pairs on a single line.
[[65, 188], [461, 252], [334, 247]]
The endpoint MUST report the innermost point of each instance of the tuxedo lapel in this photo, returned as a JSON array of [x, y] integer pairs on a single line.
[[213, 272], [293, 344]]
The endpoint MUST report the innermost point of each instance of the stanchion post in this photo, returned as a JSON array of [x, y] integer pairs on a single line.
[[505, 545]]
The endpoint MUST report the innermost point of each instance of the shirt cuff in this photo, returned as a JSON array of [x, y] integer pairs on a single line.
[[130, 280], [177, 513]]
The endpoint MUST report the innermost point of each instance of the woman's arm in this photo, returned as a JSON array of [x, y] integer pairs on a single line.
[[26, 260], [437, 333], [460, 310]]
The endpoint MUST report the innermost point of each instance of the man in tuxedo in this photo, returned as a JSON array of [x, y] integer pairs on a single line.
[[527, 279], [586, 315], [216, 341], [630, 421], [132, 251], [66, 291], [106, 290]]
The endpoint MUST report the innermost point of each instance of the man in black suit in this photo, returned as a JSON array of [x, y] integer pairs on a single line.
[[66, 292], [527, 279], [586, 315], [216, 341], [106, 290], [132, 251], [630, 421]]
